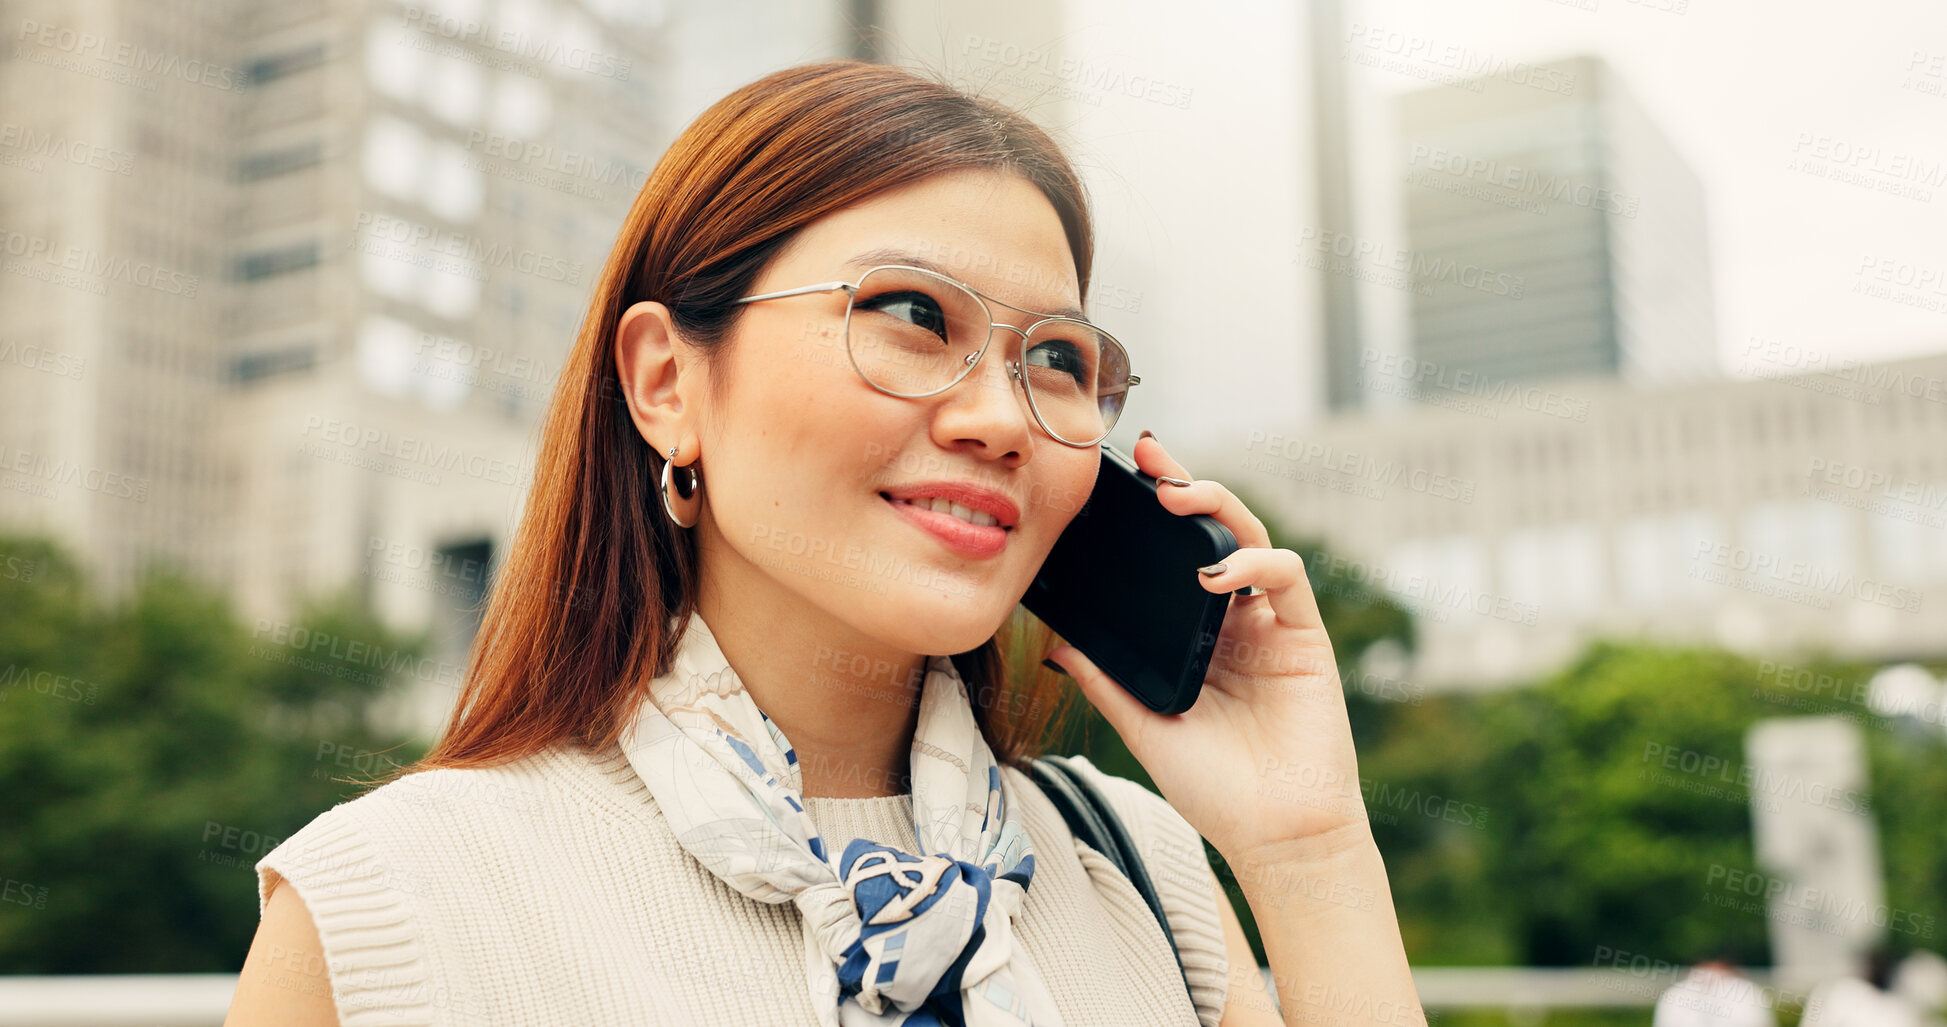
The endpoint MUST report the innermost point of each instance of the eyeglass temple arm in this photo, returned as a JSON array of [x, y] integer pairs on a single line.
[[822, 287]]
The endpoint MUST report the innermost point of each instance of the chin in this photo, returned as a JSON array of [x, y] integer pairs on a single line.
[[943, 620]]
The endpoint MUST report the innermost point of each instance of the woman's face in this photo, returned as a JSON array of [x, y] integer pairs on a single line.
[[800, 455]]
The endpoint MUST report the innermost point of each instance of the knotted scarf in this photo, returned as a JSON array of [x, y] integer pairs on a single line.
[[891, 938]]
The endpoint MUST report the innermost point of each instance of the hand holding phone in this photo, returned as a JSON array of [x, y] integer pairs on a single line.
[[1120, 584]]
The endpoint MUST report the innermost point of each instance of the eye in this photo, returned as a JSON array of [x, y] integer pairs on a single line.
[[1063, 356], [914, 308]]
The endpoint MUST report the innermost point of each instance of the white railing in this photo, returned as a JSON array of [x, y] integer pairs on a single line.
[[202, 1000], [153, 1000]]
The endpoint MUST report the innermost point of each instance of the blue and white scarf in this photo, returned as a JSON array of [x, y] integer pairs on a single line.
[[891, 938]]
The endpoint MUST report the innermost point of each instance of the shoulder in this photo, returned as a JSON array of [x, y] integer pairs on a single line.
[[386, 874], [1173, 855], [427, 811]]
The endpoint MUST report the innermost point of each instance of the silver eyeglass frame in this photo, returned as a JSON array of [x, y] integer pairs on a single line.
[[1013, 366]]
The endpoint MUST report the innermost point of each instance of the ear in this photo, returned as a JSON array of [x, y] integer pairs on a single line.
[[654, 381]]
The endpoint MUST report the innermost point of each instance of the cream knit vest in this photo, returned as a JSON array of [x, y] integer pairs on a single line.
[[550, 891]]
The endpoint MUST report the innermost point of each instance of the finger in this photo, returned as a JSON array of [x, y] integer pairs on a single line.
[[1280, 572], [1206, 497], [1156, 461], [1211, 497], [1124, 712]]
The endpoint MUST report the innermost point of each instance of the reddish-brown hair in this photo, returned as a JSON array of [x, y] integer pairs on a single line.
[[575, 626]]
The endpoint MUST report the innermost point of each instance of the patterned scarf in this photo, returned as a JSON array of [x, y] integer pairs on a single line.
[[891, 938]]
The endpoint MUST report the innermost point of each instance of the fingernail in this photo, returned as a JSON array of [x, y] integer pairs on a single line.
[[1052, 665], [1173, 481], [1212, 571], [1147, 434]]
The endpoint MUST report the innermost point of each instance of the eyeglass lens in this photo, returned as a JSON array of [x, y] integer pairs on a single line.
[[912, 333]]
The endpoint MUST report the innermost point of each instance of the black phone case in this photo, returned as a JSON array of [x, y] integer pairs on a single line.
[[1121, 585]]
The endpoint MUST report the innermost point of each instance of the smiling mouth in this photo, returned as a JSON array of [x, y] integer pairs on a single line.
[[938, 504]]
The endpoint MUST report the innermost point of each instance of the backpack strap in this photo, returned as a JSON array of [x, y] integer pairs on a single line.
[[1094, 821]]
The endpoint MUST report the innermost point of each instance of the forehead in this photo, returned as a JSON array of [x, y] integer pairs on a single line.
[[995, 232]]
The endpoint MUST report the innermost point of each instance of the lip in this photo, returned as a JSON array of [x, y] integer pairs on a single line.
[[972, 540], [967, 494]]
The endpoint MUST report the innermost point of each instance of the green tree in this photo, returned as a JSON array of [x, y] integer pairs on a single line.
[[1616, 804], [153, 749]]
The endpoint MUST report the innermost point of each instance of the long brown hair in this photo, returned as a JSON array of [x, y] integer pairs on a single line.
[[576, 625]]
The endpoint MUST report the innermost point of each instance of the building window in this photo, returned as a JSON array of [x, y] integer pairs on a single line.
[[276, 162], [265, 263], [272, 67], [251, 367], [464, 570]]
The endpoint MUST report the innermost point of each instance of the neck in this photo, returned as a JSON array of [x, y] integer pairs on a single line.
[[848, 703]]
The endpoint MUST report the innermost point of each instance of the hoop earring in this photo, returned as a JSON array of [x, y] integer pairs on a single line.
[[689, 504]]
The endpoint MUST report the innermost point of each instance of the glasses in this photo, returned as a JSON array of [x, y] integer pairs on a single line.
[[911, 332]]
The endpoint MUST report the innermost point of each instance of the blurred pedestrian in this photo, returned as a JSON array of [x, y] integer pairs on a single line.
[[1921, 979], [1713, 994], [1852, 1002]]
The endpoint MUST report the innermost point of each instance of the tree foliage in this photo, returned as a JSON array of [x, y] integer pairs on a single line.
[[154, 748]]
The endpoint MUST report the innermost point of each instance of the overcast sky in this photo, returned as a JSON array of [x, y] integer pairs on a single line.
[[1742, 88], [1201, 201]]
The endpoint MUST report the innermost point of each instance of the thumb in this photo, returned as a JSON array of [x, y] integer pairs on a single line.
[[1124, 712]]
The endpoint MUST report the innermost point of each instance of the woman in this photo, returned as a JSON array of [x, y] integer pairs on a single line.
[[782, 445]]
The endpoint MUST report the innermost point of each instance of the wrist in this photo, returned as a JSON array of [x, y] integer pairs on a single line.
[[1337, 848]]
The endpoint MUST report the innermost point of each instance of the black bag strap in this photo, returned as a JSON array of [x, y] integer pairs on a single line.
[[1094, 821]]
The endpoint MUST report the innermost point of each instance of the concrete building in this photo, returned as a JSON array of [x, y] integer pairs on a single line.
[[287, 285], [1551, 231], [1803, 511]]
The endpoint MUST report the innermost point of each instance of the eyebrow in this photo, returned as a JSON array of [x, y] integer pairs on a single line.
[[893, 255]]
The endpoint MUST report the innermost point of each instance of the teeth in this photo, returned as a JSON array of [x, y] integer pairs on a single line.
[[940, 504]]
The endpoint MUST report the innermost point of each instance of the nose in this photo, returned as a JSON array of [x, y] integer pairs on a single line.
[[988, 406]]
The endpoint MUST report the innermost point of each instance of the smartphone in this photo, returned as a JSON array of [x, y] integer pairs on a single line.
[[1121, 585]]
